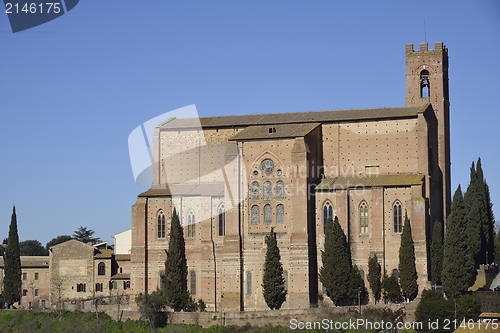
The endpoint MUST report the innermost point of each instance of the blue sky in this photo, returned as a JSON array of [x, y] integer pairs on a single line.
[[73, 89]]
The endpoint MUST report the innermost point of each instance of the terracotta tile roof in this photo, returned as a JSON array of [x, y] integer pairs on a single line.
[[121, 276], [104, 254], [490, 315], [122, 257], [344, 182], [31, 261], [275, 131], [295, 117], [213, 189]]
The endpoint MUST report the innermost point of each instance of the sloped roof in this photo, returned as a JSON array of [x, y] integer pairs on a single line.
[[104, 254], [386, 180], [31, 261], [295, 117], [121, 276], [213, 189], [122, 257], [275, 131]]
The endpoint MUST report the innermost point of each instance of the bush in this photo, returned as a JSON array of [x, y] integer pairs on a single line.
[[468, 307], [434, 307]]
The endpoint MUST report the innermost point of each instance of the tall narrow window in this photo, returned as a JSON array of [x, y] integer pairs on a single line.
[[222, 221], [398, 218], [255, 214], [191, 225], [36, 276], [285, 277], [101, 269], [249, 283], [362, 274], [268, 214], [327, 214], [255, 191], [280, 190], [363, 218], [425, 84], [280, 213], [161, 279], [161, 224], [192, 283], [268, 190]]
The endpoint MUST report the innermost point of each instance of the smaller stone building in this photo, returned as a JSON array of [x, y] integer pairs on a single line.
[[35, 281], [72, 276], [81, 273]]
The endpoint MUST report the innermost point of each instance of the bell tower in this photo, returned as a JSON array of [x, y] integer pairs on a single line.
[[427, 82]]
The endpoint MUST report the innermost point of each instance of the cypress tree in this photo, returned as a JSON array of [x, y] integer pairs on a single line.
[[391, 289], [473, 215], [458, 272], [437, 253], [273, 285], [357, 291], [374, 276], [407, 269], [175, 279], [12, 264], [486, 254], [336, 258]]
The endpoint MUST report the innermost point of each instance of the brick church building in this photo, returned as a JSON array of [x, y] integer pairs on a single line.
[[232, 178]]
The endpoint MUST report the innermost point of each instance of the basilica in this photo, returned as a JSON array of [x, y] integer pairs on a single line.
[[233, 178]]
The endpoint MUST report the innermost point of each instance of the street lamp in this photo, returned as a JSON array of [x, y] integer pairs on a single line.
[[360, 289]]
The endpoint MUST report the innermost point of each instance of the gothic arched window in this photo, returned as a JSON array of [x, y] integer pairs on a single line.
[[191, 225], [268, 190], [363, 218], [161, 224], [327, 214], [249, 283], [222, 221], [255, 191], [425, 84], [280, 190], [268, 214], [398, 218], [255, 214], [280, 213], [192, 282]]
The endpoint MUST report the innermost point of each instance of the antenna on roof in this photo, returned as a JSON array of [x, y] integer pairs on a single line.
[[425, 33]]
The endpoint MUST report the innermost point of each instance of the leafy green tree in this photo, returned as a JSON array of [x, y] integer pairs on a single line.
[[391, 289], [85, 235], [57, 240], [433, 307], [273, 285], [458, 262], [32, 248], [150, 307], [336, 258], [357, 291], [437, 253], [12, 264], [175, 279], [407, 270], [374, 276]]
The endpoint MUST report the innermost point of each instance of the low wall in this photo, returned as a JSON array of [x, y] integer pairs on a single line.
[[274, 317]]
